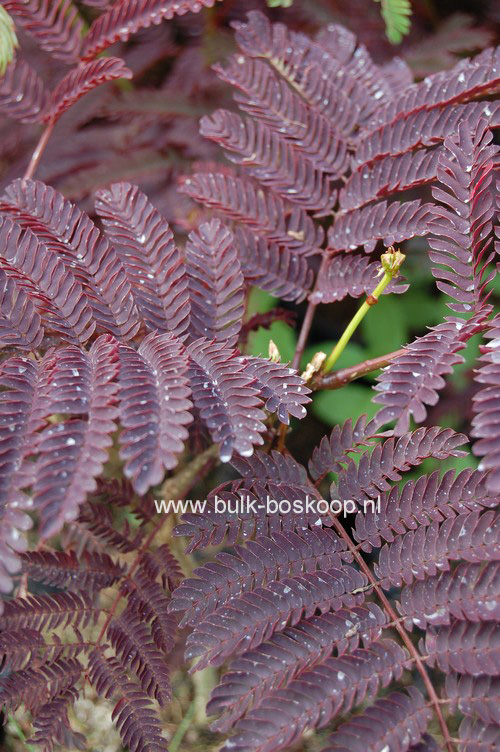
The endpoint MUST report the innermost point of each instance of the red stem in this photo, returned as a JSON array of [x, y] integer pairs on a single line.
[[401, 630], [344, 376], [39, 149]]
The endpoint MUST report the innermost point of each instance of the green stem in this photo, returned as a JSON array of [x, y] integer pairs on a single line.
[[182, 728], [19, 733], [391, 263]]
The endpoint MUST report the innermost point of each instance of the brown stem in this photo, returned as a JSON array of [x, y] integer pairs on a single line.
[[302, 341], [344, 376], [400, 629], [39, 149], [180, 484], [131, 571], [304, 334]]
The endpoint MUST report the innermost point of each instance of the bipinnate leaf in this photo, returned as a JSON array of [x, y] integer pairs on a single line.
[[72, 452], [146, 247], [215, 284], [487, 407], [56, 26], [22, 92], [461, 229], [226, 397], [154, 408], [124, 19], [68, 232], [81, 80]]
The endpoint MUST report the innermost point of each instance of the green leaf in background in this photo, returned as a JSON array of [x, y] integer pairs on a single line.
[[421, 309], [8, 40], [283, 336], [338, 405], [279, 3], [471, 354], [384, 328], [259, 302], [352, 355], [396, 14]]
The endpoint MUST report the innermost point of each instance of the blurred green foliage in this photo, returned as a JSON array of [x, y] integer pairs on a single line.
[[392, 323]]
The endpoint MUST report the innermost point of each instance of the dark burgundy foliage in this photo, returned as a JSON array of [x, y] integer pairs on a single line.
[[126, 378]]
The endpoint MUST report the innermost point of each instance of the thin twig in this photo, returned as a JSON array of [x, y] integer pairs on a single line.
[[302, 340], [39, 149], [400, 629], [344, 376], [391, 263], [182, 484], [177, 738]]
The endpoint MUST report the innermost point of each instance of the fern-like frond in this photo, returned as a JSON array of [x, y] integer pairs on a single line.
[[475, 696], [345, 48], [35, 686], [96, 523], [162, 563], [148, 600], [476, 735], [90, 571], [468, 592], [130, 637], [52, 726], [471, 537], [317, 696], [226, 398], [82, 79], [263, 475], [332, 451], [465, 647], [146, 247], [270, 158], [460, 231], [20, 322], [124, 19], [421, 128], [469, 79], [385, 462], [18, 647], [49, 611], [391, 223], [154, 408], [253, 617], [70, 233], [22, 92], [72, 453], [271, 267], [283, 390], [253, 565], [55, 25], [18, 417], [411, 381], [389, 175], [54, 288], [215, 284], [396, 721], [135, 719], [326, 73], [396, 14], [353, 276], [419, 503], [287, 654], [269, 215], [486, 404], [271, 101]]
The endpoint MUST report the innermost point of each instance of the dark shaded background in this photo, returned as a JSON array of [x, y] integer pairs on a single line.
[[146, 132]]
